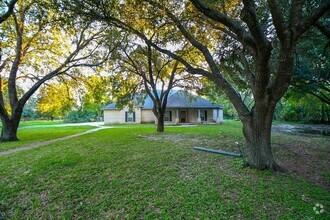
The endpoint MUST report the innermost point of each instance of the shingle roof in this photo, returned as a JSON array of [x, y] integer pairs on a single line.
[[177, 99], [182, 99], [110, 106]]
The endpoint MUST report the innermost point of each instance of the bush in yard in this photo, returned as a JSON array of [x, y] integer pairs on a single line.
[[29, 114], [80, 116]]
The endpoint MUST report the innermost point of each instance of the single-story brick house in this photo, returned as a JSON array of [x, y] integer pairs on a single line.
[[182, 107]]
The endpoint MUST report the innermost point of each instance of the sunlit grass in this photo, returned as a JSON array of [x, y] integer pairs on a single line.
[[39, 123]]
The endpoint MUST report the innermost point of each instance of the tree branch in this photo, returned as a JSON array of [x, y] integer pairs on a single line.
[[249, 16], [321, 97], [313, 18], [3, 65], [63, 68], [282, 30], [295, 17], [247, 71], [14, 68], [241, 33], [325, 30], [10, 10], [3, 112]]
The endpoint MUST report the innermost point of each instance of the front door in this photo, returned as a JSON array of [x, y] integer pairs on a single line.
[[183, 116]]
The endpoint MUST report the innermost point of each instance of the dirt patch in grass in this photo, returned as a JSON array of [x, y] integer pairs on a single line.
[[306, 157], [220, 143], [163, 137]]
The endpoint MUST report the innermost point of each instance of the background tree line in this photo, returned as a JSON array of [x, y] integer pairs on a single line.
[[75, 100]]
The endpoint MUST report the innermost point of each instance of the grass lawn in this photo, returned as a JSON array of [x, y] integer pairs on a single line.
[[28, 134], [40, 123], [135, 173]]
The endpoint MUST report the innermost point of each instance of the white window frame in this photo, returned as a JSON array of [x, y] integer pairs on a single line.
[[130, 116]]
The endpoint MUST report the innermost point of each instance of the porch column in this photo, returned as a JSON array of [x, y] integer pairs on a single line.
[[219, 117], [177, 116], [199, 120]]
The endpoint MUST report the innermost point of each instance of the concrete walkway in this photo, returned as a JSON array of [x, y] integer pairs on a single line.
[[42, 143]]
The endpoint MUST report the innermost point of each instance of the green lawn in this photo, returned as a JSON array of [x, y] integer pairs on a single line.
[[135, 173], [40, 123], [29, 134]]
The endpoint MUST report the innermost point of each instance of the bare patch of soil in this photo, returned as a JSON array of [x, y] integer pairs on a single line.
[[305, 157], [163, 137]]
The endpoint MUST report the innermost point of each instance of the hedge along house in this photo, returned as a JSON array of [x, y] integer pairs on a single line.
[[182, 107]]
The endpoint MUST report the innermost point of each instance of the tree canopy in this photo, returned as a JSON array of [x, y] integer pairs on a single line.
[[38, 45], [312, 66], [260, 35]]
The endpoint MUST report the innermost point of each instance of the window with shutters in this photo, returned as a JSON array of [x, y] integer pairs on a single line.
[[130, 116]]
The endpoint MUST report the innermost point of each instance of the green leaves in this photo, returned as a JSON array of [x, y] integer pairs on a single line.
[[312, 67], [98, 93], [55, 100]]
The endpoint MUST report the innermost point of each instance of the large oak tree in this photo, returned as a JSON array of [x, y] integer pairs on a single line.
[[263, 34]]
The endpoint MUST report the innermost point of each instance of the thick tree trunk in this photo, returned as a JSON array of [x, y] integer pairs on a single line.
[[160, 122], [257, 133], [9, 130], [10, 126]]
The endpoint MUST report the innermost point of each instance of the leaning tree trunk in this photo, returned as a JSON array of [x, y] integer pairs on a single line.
[[257, 133]]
